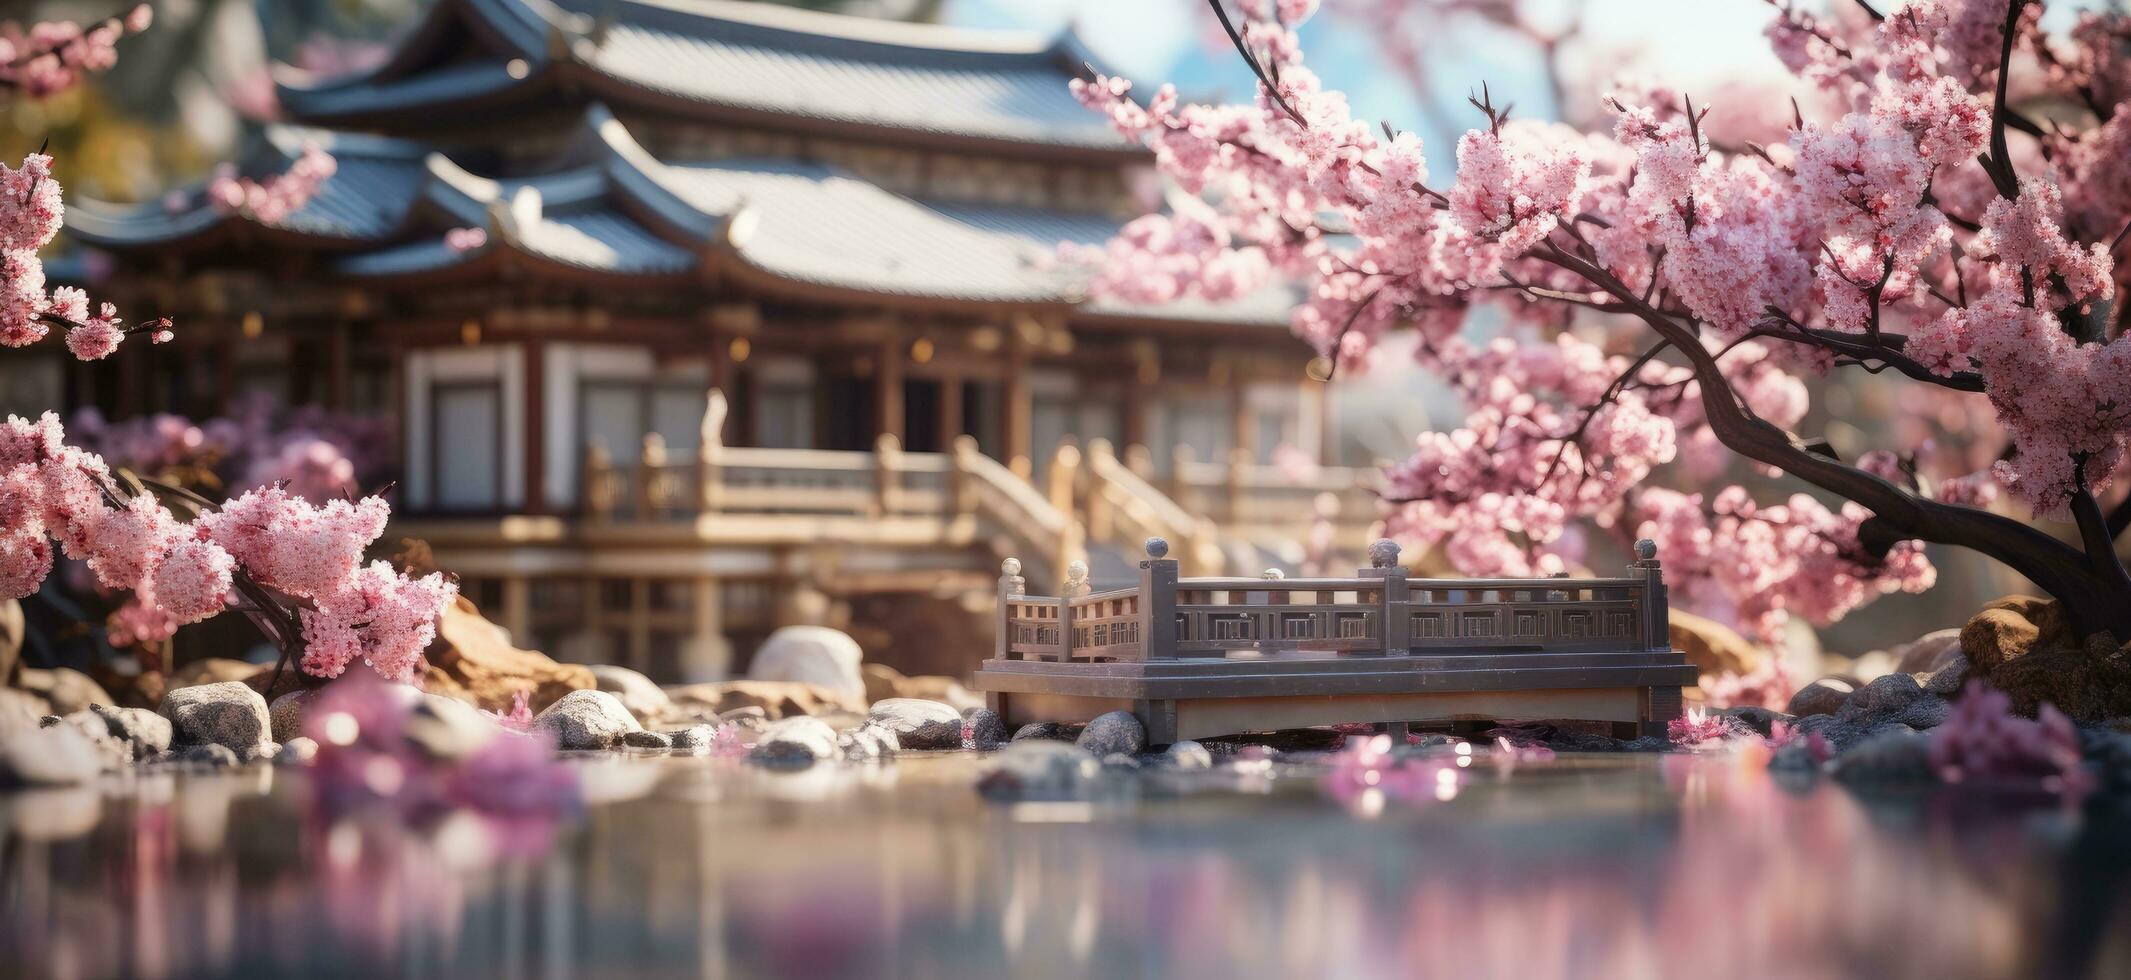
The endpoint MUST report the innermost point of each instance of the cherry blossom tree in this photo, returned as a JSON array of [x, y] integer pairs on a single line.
[[1930, 226]]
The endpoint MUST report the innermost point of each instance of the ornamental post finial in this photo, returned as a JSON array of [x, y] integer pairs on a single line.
[[1157, 548], [1646, 553], [1010, 567], [1383, 553]]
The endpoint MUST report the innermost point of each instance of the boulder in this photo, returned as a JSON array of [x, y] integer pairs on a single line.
[[1825, 696], [1881, 700], [2008, 628], [816, 655], [638, 693], [1712, 646], [985, 728], [1951, 676], [144, 732], [1113, 733], [646, 740], [216, 670], [1927, 653], [919, 724], [473, 660], [228, 714], [65, 689], [1041, 769], [61, 755], [586, 720], [1925, 713], [2087, 685], [884, 682], [794, 743], [777, 699]]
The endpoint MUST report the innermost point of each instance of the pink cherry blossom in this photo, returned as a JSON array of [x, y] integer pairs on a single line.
[[377, 616], [52, 56], [193, 580], [275, 199]]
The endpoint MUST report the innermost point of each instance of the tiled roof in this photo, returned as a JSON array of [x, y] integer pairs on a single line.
[[752, 58]]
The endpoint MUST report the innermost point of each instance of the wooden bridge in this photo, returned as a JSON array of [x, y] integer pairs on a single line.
[[1198, 657]]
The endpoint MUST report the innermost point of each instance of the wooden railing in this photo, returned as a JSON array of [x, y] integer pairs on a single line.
[[1378, 612], [886, 482], [1245, 496], [1122, 507]]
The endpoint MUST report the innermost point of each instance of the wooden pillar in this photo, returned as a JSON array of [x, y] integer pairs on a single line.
[[707, 655], [951, 427], [888, 387], [1243, 431], [1317, 408], [1133, 426], [1019, 407], [534, 407], [517, 611]]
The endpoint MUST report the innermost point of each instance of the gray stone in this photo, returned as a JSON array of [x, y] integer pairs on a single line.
[[1048, 731], [61, 755], [228, 714], [1881, 700], [694, 740], [448, 729], [285, 716], [209, 754], [67, 690], [1759, 719], [986, 729], [1124, 761], [1838, 733], [147, 733], [1947, 680], [296, 751], [814, 655], [112, 752], [1925, 713], [866, 743], [1040, 769], [1822, 697], [587, 720], [906, 716], [1189, 755], [1113, 733], [638, 693], [646, 740], [795, 743], [1893, 758], [889, 741]]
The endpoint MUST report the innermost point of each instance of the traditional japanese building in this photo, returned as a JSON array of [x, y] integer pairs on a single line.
[[763, 305]]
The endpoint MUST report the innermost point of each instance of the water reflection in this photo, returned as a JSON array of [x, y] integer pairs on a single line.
[[1578, 866]]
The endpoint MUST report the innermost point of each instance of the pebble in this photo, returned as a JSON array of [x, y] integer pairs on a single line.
[[587, 720], [987, 730], [794, 743], [208, 754], [1188, 754], [1113, 733], [919, 724], [227, 714], [296, 751], [694, 740], [145, 731], [1761, 720], [637, 693], [1881, 700], [646, 740], [1043, 730]]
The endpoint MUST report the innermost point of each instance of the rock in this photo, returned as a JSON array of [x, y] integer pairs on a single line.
[[1124, 761], [1838, 733], [1822, 697], [694, 740], [473, 660], [794, 743], [285, 715], [867, 743], [1892, 758], [1925, 713], [919, 724], [816, 655], [209, 754], [646, 740], [1712, 646], [1761, 720], [216, 670], [2008, 628], [112, 753], [2086, 684], [884, 682], [19, 711], [1040, 769], [1951, 676], [587, 720], [61, 755], [447, 728], [1188, 754], [146, 733], [1112, 733], [1881, 700], [1048, 731], [643, 698], [67, 690], [227, 713], [748, 720], [986, 729], [777, 699], [1927, 653], [296, 751], [890, 742]]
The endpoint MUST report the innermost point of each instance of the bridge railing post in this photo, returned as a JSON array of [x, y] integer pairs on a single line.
[[1655, 605], [1011, 586], [887, 480], [1157, 602], [1396, 624]]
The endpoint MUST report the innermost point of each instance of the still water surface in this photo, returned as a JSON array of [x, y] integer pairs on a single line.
[[1586, 866]]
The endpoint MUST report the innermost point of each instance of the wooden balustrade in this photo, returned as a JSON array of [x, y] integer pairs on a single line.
[[1378, 612]]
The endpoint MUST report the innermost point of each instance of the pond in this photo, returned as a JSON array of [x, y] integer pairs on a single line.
[[1586, 865]]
